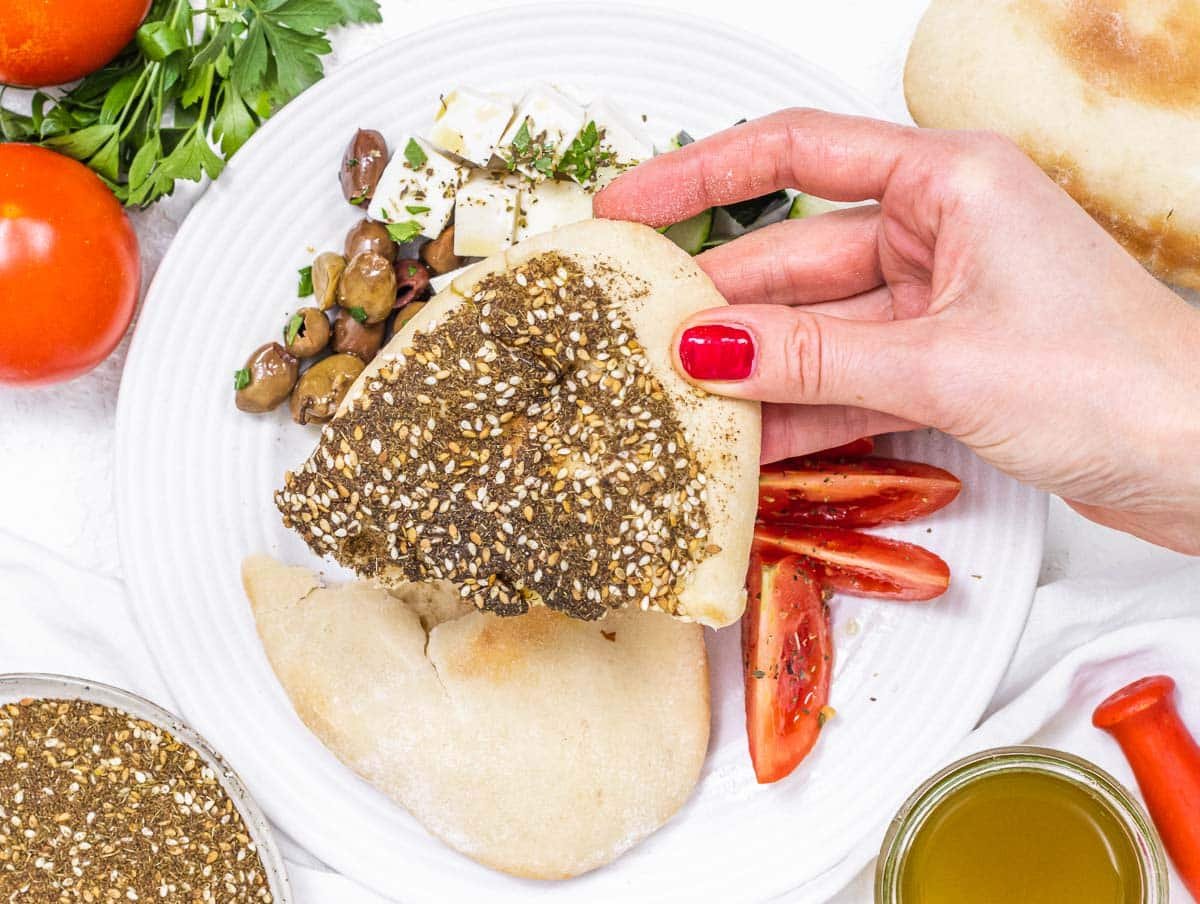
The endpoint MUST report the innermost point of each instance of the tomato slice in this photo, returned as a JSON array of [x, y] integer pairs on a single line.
[[787, 647], [861, 493], [856, 448], [857, 564]]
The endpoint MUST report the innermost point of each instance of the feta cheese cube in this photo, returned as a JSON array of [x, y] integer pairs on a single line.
[[485, 214], [548, 205], [551, 120], [469, 124], [423, 193], [620, 136]]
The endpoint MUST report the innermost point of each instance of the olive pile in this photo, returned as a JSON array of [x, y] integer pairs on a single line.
[[370, 292]]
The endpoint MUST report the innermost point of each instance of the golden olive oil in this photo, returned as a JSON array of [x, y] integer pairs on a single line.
[[1021, 837]]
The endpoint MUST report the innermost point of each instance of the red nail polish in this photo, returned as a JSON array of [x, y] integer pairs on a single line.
[[716, 352]]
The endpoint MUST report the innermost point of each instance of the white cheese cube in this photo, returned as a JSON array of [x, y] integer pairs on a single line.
[[422, 193], [622, 137], [469, 124], [485, 214], [551, 121], [548, 205]]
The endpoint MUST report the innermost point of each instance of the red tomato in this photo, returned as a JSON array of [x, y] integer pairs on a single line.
[[856, 448], [788, 651], [69, 269], [49, 42], [860, 493], [857, 564]]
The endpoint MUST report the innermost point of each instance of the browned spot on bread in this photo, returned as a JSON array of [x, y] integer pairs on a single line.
[[1167, 250], [1148, 50], [503, 643]]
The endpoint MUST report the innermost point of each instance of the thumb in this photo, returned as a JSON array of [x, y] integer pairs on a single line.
[[776, 353]]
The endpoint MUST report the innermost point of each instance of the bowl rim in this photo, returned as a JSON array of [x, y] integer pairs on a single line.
[[16, 686]]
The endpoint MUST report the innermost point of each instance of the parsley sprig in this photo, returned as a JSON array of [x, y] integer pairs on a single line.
[[188, 92], [584, 157]]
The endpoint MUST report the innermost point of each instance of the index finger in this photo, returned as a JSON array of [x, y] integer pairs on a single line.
[[842, 158]]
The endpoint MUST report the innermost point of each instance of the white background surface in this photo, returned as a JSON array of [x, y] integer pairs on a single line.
[[56, 444]]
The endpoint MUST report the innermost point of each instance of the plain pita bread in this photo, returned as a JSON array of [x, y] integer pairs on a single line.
[[655, 286], [1103, 94], [543, 746]]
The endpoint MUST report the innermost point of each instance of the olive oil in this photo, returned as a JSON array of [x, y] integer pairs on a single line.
[[1021, 837]]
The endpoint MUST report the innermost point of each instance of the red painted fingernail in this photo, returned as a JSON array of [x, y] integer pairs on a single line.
[[716, 352]]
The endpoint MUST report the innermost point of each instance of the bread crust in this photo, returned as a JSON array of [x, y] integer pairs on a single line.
[[541, 746], [1103, 94]]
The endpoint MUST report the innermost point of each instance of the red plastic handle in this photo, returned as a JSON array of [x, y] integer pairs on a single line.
[[1166, 761]]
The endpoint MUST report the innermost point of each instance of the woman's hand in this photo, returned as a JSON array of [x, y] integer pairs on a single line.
[[975, 297]]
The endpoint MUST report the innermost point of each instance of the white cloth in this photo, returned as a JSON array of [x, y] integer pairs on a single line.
[[1110, 608]]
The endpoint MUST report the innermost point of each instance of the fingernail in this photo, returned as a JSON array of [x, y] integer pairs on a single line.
[[715, 351]]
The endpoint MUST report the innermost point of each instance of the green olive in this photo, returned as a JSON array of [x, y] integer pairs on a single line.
[[404, 315], [268, 377], [368, 235], [327, 269], [322, 387], [306, 333], [369, 284]]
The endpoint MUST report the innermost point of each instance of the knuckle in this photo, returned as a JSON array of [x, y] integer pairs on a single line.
[[804, 352]]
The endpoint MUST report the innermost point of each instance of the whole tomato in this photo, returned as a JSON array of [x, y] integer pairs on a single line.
[[48, 42], [69, 268]]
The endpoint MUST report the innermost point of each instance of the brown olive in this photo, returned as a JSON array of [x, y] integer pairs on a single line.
[[369, 284], [368, 235], [306, 333], [362, 165], [327, 269], [404, 315], [439, 254], [265, 381], [363, 340], [322, 387], [412, 281]]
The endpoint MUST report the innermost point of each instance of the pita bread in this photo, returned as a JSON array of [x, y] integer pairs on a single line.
[[622, 484], [1103, 94], [543, 746]]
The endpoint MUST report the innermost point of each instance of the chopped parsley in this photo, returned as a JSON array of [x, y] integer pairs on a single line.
[[415, 209], [306, 284], [241, 379], [522, 140], [414, 155], [358, 314], [292, 330], [404, 232], [584, 157]]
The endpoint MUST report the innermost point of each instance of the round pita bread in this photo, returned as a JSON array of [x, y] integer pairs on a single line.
[[1103, 94], [543, 746], [672, 523]]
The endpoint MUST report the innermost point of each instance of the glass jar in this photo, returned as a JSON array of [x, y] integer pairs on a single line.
[[926, 800]]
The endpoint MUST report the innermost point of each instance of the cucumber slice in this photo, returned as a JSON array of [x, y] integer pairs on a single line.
[[692, 233], [810, 206]]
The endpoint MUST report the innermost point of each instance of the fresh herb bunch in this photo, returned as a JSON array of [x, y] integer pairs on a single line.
[[188, 92]]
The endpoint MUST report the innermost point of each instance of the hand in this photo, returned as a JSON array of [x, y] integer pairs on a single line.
[[975, 297]]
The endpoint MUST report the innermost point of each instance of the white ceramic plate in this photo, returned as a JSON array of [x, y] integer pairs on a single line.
[[196, 477]]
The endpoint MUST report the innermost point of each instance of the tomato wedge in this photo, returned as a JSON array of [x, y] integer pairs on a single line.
[[857, 564], [856, 448], [787, 647], [861, 493]]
